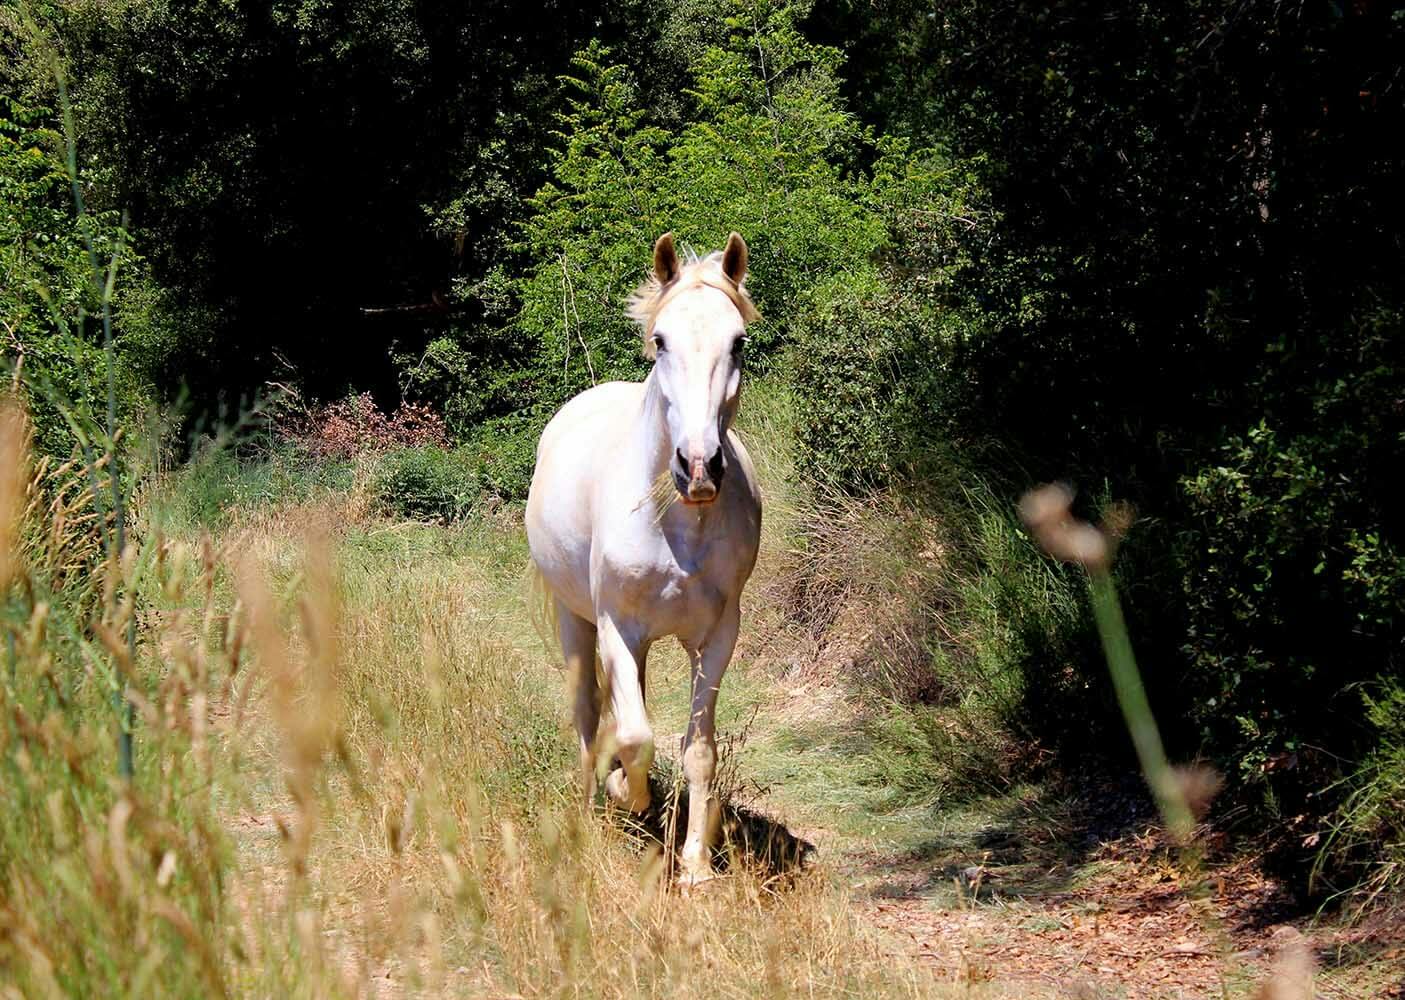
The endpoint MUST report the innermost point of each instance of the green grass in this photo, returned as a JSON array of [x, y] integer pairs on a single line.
[[217, 485]]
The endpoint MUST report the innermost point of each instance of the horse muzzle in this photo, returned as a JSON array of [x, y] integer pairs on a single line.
[[701, 483]]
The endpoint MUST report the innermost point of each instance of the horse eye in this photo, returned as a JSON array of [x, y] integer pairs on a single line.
[[738, 345], [658, 343]]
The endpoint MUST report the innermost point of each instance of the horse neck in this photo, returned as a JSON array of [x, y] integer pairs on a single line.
[[651, 445]]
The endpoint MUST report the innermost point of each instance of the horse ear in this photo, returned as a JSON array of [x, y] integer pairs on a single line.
[[665, 259], [734, 258]]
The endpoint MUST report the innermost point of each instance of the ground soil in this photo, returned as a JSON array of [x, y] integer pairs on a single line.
[[1011, 904]]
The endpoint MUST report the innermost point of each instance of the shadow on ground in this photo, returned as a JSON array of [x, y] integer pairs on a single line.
[[1036, 845], [750, 839]]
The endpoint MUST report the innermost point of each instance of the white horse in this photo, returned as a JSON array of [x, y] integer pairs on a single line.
[[624, 563]]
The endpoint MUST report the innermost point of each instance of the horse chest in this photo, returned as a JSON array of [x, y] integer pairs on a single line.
[[670, 591]]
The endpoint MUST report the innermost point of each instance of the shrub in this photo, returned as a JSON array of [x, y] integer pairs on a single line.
[[1294, 578], [427, 484], [870, 364], [355, 425], [48, 303], [217, 484], [1367, 839], [924, 599], [505, 452]]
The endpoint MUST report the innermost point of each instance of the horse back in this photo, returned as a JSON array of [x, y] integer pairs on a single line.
[[559, 503]]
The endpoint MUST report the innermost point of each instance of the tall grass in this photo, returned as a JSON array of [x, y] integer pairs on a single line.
[[926, 603], [108, 887], [354, 779]]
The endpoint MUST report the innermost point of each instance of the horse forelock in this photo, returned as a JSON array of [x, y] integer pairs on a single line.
[[649, 299]]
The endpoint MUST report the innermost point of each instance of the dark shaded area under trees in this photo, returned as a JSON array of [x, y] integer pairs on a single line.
[[309, 180]]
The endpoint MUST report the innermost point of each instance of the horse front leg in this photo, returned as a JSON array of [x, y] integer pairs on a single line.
[[622, 654], [700, 749]]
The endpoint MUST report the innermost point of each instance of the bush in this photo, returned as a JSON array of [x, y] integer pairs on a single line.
[[217, 483], [871, 364], [1367, 841], [356, 426], [48, 302], [929, 603], [1294, 576], [427, 484], [505, 452]]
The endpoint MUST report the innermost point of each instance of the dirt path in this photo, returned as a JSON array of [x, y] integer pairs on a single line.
[[1128, 926], [1073, 896]]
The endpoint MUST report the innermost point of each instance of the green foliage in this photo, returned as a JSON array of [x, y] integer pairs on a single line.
[[590, 230], [1294, 580], [217, 484], [288, 164], [48, 302], [768, 148], [1364, 853], [1181, 280], [873, 350], [769, 151], [426, 484], [506, 452]]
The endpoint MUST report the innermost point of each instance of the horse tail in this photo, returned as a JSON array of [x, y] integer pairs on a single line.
[[541, 609]]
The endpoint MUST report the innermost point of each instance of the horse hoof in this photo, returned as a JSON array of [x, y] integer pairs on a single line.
[[690, 882], [617, 788]]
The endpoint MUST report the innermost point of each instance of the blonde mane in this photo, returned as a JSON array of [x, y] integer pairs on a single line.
[[649, 298]]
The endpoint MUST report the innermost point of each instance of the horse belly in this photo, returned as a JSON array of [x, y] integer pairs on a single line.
[[566, 569]]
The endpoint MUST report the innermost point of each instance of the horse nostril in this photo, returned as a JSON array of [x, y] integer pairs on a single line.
[[682, 460], [716, 466]]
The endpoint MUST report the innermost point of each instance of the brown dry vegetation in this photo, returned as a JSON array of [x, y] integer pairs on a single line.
[[355, 781]]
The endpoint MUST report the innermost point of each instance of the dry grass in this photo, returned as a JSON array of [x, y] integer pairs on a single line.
[[353, 780], [845, 587], [914, 609], [452, 856]]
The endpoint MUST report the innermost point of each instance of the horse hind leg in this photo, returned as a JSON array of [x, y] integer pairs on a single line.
[[577, 637]]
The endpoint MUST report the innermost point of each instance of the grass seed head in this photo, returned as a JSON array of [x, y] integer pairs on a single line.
[[1047, 512], [14, 486]]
